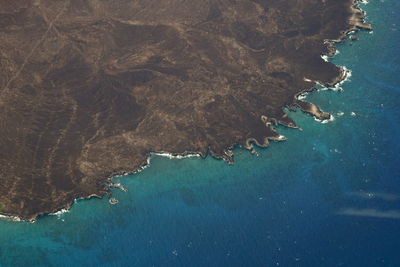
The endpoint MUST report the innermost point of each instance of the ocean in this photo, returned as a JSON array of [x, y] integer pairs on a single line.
[[328, 196]]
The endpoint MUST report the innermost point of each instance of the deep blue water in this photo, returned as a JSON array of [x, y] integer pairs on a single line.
[[329, 196]]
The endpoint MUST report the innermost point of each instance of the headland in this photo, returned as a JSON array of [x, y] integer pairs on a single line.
[[89, 89]]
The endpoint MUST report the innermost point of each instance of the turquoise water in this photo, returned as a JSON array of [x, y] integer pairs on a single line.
[[329, 196]]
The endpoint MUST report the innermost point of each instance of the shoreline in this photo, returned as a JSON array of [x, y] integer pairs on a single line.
[[356, 20]]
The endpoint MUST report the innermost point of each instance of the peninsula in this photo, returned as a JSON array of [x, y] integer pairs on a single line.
[[89, 88]]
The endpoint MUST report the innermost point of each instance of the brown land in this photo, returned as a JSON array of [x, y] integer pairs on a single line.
[[88, 88]]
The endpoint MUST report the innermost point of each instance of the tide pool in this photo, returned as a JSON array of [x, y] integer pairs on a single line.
[[328, 196]]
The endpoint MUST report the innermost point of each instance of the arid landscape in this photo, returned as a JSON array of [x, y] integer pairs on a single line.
[[88, 88]]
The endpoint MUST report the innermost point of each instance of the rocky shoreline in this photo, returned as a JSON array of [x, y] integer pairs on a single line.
[[235, 114]]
